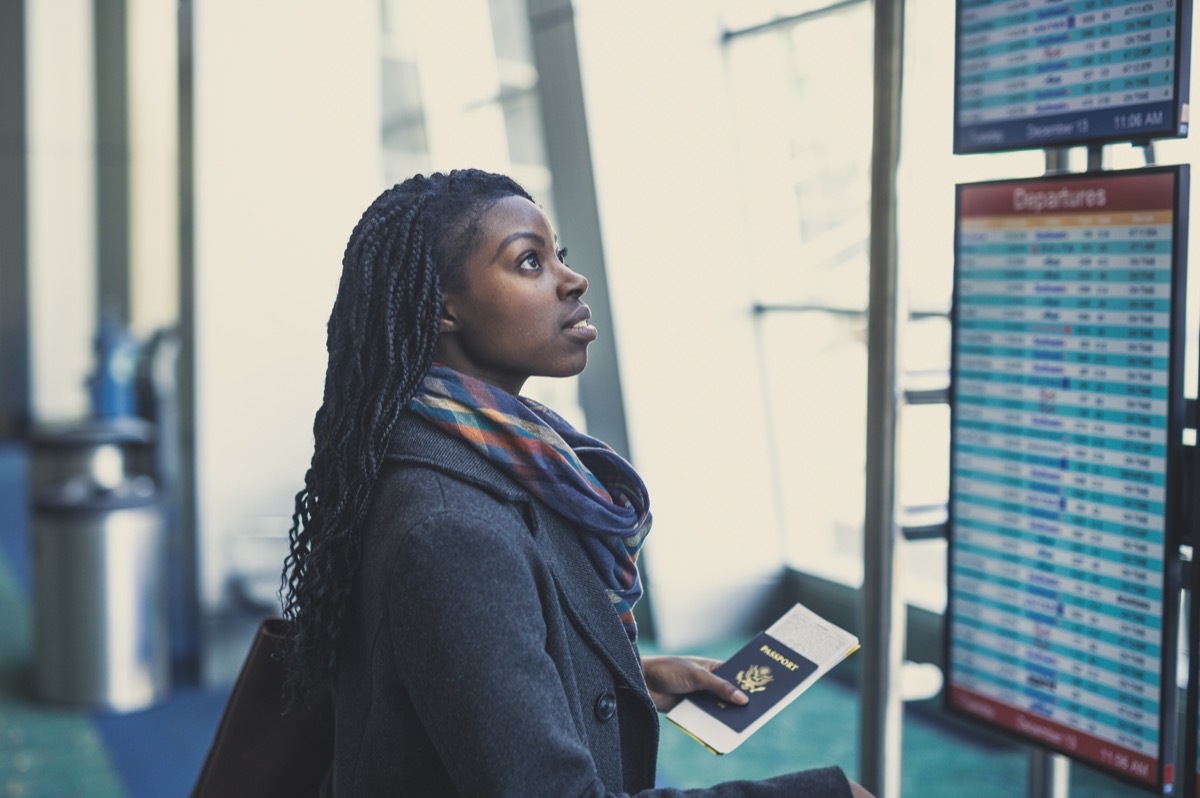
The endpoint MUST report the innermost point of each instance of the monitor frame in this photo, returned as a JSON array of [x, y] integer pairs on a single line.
[[1084, 130], [1173, 475]]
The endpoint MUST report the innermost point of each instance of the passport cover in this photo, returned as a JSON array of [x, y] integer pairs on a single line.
[[766, 671]]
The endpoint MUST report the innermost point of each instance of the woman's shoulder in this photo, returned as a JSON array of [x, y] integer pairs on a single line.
[[430, 480], [424, 516], [426, 488], [422, 456]]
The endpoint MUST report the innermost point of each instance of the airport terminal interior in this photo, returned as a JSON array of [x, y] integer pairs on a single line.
[[777, 205]]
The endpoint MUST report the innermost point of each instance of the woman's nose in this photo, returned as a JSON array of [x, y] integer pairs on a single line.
[[572, 283]]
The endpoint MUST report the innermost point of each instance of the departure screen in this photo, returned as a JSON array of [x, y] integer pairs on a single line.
[[1046, 73], [1065, 426]]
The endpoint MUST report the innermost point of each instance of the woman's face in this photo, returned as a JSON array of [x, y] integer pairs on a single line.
[[517, 312]]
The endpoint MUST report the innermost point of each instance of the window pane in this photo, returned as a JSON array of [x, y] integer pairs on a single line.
[[816, 392], [403, 122], [405, 143], [805, 145], [523, 122], [923, 463], [510, 30]]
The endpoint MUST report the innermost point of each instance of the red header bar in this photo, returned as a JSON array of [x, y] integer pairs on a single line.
[[1056, 196]]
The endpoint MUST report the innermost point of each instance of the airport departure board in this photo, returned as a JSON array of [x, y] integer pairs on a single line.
[[1066, 419], [1049, 73]]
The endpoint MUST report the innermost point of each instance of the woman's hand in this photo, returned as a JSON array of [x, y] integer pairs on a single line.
[[671, 678]]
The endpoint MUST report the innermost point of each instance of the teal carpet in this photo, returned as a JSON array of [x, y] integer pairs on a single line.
[[44, 753]]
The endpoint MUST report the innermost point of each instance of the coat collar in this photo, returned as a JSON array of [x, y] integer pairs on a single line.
[[418, 442]]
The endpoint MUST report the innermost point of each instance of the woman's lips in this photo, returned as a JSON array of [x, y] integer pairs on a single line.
[[580, 325]]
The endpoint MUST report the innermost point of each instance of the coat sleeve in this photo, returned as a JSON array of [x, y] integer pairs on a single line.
[[469, 646]]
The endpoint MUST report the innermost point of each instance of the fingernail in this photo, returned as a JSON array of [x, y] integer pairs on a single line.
[[740, 697]]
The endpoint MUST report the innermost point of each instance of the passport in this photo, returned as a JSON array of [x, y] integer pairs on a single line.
[[773, 669], [766, 671]]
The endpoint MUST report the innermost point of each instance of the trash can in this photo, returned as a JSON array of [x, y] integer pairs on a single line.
[[101, 636], [108, 450]]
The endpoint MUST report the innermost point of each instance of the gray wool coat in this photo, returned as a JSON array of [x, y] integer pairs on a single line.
[[480, 655]]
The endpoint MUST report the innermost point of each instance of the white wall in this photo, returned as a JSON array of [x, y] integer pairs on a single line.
[[61, 131], [664, 153], [287, 158]]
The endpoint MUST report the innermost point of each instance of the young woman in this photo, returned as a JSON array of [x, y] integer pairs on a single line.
[[463, 562]]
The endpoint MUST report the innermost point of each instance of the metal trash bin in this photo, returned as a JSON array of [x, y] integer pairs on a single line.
[[109, 450], [101, 635]]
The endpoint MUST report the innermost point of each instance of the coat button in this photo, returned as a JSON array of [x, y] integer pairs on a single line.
[[606, 707]]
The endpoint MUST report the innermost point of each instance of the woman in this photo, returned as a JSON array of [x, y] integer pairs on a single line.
[[462, 566]]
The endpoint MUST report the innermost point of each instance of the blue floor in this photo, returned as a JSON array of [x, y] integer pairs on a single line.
[[158, 752]]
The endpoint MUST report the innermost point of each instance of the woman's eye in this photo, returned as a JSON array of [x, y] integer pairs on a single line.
[[530, 262], [562, 255]]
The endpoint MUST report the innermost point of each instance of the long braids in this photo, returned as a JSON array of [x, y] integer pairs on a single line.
[[382, 333]]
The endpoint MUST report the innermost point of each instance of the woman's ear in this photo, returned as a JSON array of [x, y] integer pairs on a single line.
[[449, 321]]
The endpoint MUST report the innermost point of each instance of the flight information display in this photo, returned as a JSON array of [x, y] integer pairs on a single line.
[[1047, 73], [1066, 419]]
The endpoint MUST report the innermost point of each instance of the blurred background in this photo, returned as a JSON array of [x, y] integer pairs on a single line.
[[178, 181]]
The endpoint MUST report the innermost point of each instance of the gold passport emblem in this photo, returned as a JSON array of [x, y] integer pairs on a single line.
[[755, 678]]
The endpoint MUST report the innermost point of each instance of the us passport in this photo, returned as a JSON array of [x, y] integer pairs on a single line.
[[766, 671], [773, 669]]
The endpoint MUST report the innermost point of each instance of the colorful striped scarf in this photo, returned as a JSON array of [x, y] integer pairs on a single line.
[[576, 475]]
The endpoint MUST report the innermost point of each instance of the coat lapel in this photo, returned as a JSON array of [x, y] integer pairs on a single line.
[[585, 598]]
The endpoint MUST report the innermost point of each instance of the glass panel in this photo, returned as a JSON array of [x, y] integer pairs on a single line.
[[402, 119], [523, 122], [924, 352], [806, 149], [404, 138], [924, 569], [923, 464], [816, 392], [510, 29]]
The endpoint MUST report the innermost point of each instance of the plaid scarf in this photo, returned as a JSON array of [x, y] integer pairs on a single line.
[[576, 475]]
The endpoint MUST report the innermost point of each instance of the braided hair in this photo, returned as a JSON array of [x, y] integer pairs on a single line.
[[409, 245]]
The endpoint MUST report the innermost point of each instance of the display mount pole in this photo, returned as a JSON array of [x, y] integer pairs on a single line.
[[882, 604], [1049, 774], [1056, 160]]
